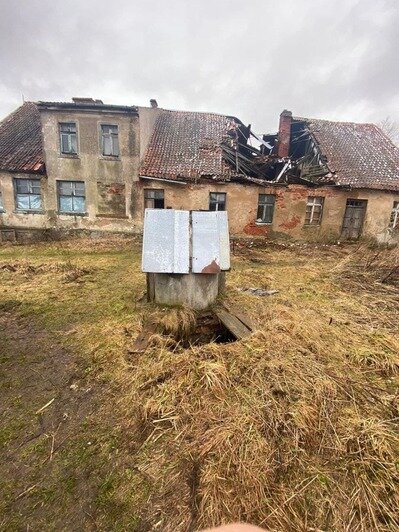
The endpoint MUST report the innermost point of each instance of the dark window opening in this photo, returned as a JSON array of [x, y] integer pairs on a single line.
[[28, 194], [265, 212], [154, 198], [71, 197], [68, 139], [217, 201], [109, 141]]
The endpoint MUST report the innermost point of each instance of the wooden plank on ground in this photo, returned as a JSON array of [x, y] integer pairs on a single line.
[[232, 323], [240, 315]]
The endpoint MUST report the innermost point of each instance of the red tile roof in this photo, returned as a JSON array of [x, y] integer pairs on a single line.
[[360, 155], [21, 147], [187, 146]]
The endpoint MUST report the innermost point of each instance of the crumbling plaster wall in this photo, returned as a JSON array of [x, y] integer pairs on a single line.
[[290, 208], [92, 167], [10, 217], [148, 117]]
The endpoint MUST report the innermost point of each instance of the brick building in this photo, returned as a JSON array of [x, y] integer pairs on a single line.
[[87, 165]]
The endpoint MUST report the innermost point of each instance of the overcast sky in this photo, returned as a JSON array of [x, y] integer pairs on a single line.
[[334, 59]]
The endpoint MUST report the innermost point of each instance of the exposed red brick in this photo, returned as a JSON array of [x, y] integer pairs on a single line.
[[284, 134], [292, 223], [256, 230]]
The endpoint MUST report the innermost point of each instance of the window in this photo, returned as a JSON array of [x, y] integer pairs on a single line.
[[217, 201], [28, 194], [394, 221], [68, 139], [314, 210], [109, 140], [154, 199], [1, 203], [265, 208], [71, 197]]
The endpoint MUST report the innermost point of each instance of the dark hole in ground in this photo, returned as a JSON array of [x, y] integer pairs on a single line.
[[208, 329]]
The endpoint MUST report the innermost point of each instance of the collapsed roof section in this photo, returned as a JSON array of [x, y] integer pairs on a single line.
[[192, 146]]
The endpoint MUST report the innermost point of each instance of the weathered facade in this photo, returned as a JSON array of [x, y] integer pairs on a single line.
[[87, 165]]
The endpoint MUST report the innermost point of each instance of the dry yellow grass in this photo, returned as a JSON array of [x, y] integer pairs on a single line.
[[293, 428]]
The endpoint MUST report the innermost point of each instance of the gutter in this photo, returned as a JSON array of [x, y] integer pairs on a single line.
[[162, 179]]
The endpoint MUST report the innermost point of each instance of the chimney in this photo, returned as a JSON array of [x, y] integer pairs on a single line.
[[284, 134], [153, 103]]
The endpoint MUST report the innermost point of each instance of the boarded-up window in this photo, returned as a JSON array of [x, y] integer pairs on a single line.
[[111, 199], [314, 210], [68, 139], [265, 212], [28, 194], [71, 197], [394, 221], [109, 140], [217, 201], [154, 198]]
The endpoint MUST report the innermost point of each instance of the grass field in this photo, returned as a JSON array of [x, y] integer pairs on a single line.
[[293, 428]]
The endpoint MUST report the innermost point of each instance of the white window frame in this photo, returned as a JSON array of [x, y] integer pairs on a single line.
[[1, 203], [266, 202], [311, 204], [394, 219]]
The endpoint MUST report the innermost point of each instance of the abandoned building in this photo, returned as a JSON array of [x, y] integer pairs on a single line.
[[88, 165]]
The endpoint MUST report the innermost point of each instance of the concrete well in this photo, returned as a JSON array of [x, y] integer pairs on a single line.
[[197, 291]]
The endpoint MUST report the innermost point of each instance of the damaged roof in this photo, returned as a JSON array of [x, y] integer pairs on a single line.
[[359, 155], [21, 147], [187, 146]]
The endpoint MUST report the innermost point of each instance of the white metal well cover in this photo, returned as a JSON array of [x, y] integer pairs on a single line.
[[166, 241], [211, 244]]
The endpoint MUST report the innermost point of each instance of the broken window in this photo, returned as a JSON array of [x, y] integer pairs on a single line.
[[71, 197], [265, 212], [28, 196], [217, 201], [1, 203], [109, 140], [154, 198], [394, 221], [314, 210], [68, 139]]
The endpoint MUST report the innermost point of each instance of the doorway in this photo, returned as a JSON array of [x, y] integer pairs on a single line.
[[353, 219]]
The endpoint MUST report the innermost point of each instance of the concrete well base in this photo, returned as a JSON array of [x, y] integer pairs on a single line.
[[194, 290]]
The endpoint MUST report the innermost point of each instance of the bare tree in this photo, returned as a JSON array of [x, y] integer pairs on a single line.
[[390, 128]]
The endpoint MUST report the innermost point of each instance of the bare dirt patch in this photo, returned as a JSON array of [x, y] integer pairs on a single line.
[[45, 399]]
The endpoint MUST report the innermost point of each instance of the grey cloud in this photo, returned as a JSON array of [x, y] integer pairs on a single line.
[[251, 59]]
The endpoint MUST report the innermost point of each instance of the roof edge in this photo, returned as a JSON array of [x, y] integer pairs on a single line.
[[92, 107]]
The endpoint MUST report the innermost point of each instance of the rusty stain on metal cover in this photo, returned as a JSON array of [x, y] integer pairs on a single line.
[[213, 267]]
